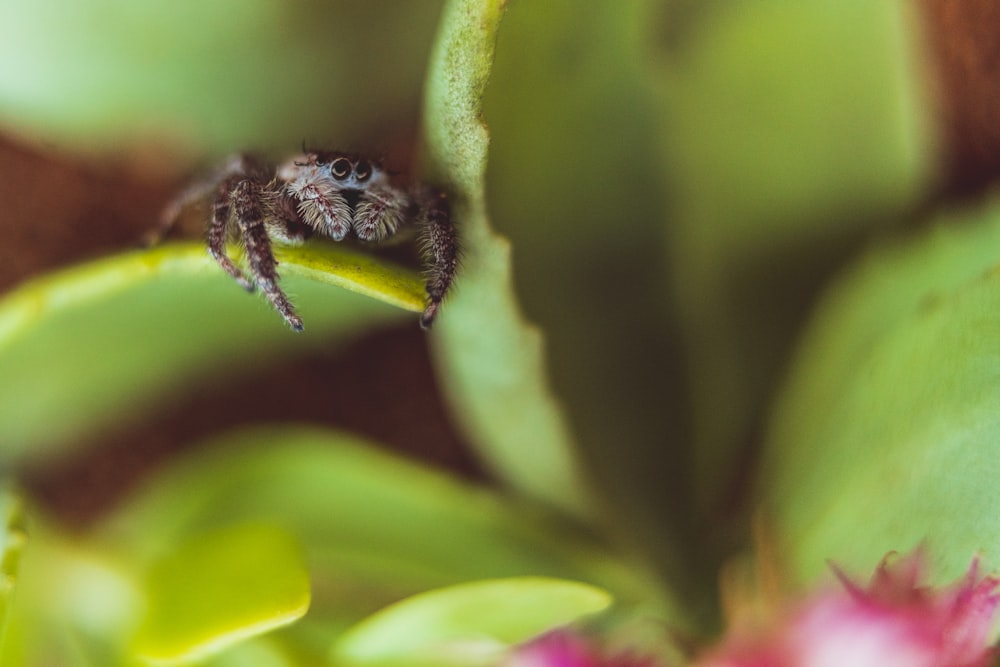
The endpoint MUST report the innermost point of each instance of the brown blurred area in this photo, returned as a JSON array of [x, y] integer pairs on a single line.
[[964, 38], [57, 211]]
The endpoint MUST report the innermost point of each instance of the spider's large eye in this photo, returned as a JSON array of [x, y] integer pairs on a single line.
[[362, 170], [340, 168]]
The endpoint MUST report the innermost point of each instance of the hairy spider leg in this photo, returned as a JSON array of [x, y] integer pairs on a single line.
[[439, 243], [237, 165], [172, 212], [218, 229], [263, 266]]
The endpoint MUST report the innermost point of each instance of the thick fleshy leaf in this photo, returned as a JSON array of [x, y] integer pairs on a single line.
[[775, 172], [355, 271], [219, 588], [887, 431], [492, 361], [258, 652], [575, 180], [468, 624], [93, 345], [74, 606], [375, 527], [81, 606], [12, 539], [210, 76]]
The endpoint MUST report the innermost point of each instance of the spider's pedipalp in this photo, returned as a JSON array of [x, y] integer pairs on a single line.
[[379, 213], [320, 202]]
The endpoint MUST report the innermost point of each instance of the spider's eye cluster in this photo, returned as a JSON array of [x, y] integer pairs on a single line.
[[362, 170], [340, 168]]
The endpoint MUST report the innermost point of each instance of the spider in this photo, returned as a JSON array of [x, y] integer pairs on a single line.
[[334, 194]]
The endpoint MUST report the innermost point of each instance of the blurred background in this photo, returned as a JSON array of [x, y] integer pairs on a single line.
[[152, 93], [678, 179]]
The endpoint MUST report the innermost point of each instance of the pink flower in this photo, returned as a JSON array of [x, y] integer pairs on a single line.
[[555, 649], [564, 648], [893, 622]]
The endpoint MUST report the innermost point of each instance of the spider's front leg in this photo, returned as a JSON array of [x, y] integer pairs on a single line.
[[218, 226], [439, 243], [221, 182], [250, 211]]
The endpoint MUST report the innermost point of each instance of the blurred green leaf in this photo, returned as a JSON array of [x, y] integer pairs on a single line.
[[780, 112], [74, 606], [887, 428], [257, 652], [211, 76], [492, 361], [78, 605], [790, 130], [468, 624], [575, 180], [92, 346], [220, 588], [375, 527], [12, 539]]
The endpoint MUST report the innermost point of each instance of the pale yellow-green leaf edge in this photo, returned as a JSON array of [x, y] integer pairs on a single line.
[[31, 303]]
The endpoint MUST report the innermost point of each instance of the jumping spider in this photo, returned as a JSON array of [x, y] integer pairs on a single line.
[[338, 195]]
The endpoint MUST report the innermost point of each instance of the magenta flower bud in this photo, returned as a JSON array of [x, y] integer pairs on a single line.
[[561, 648], [893, 622], [566, 648]]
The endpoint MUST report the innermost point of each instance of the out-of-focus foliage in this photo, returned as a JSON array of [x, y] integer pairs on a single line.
[[791, 131], [575, 182], [117, 334], [216, 77], [12, 539], [371, 527], [677, 179], [74, 604], [492, 361], [887, 430], [663, 190], [219, 588], [373, 522], [467, 624]]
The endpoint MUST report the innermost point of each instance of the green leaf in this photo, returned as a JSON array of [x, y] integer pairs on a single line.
[[210, 76], [791, 129], [576, 181], [375, 527], [73, 605], [12, 540], [492, 362], [220, 588], [468, 624], [86, 348], [887, 427], [258, 652], [354, 271]]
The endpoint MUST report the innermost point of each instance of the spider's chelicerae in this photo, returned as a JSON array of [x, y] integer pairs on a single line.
[[334, 194]]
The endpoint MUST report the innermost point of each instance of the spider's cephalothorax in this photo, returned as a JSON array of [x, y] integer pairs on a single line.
[[338, 195]]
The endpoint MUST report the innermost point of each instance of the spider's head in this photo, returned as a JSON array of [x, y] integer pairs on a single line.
[[351, 172]]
